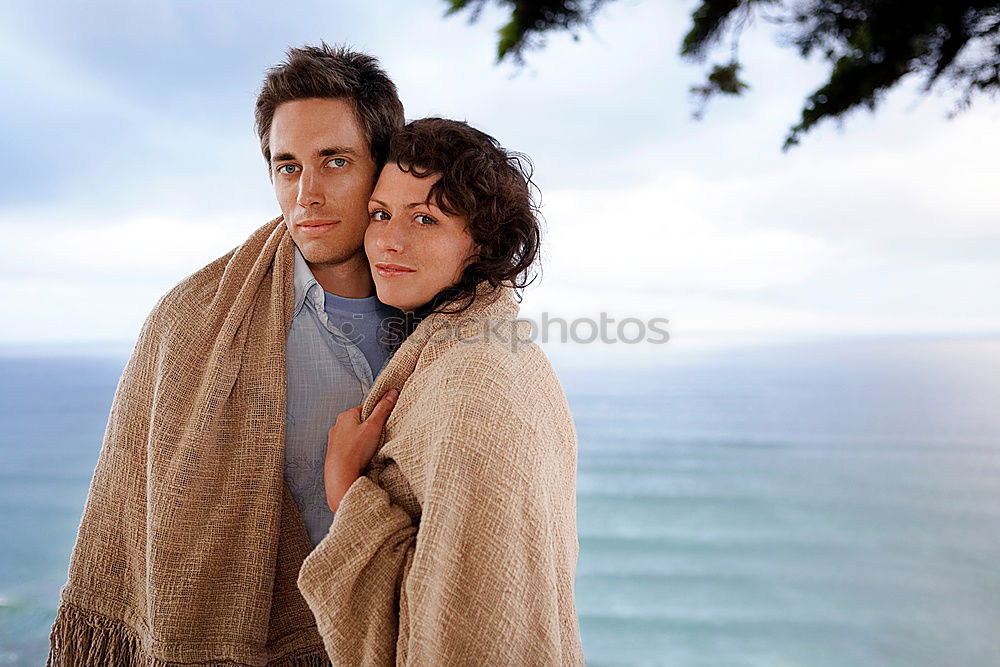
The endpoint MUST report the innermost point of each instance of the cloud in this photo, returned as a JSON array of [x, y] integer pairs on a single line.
[[97, 280], [134, 163], [145, 249], [660, 237]]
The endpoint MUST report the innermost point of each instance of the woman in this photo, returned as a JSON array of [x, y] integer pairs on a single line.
[[458, 545]]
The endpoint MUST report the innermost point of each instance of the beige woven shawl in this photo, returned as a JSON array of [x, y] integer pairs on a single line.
[[458, 546], [190, 543]]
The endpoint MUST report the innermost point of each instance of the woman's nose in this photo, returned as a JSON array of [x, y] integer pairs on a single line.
[[389, 238]]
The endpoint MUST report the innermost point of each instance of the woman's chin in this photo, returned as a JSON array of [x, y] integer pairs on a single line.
[[393, 297]]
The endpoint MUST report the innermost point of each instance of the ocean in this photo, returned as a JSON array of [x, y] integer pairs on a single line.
[[817, 504]]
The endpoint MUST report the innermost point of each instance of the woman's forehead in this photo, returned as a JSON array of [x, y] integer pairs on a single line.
[[396, 184]]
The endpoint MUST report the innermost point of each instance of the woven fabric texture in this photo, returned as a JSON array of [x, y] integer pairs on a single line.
[[458, 546], [190, 543]]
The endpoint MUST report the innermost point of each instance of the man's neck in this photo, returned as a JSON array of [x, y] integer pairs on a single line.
[[351, 278]]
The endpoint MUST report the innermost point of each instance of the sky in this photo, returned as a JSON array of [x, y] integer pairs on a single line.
[[132, 162]]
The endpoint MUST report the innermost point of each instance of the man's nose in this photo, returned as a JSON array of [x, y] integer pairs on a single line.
[[310, 192]]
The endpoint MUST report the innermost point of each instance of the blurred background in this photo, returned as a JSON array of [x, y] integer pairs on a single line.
[[806, 473]]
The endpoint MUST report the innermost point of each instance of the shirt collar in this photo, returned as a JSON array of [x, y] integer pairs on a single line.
[[304, 279]]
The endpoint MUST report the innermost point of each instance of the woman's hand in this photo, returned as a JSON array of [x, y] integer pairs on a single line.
[[351, 445]]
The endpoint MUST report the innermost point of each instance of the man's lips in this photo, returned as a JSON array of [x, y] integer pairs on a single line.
[[316, 226], [384, 269]]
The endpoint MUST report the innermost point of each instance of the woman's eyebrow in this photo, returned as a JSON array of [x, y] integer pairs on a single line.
[[413, 205]]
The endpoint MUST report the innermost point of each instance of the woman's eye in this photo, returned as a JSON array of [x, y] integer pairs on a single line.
[[378, 215], [337, 162], [425, 219], [287, 169]]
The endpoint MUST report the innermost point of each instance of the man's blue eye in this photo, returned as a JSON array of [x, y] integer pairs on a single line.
[[281, 169], [338, 162]]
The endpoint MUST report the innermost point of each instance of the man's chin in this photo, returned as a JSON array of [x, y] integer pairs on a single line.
[[322, 251]]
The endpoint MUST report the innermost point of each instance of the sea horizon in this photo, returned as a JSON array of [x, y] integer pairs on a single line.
[[825, 502]]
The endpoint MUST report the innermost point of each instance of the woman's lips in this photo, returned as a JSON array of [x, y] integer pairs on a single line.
[[392, 269]]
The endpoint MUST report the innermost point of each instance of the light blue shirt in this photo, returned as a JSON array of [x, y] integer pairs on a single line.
[[327, 373]]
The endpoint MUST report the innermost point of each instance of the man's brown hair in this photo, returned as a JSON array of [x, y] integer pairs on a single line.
[[338, 73]]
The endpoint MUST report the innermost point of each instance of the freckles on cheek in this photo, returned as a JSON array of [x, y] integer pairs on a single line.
[[286, 198]]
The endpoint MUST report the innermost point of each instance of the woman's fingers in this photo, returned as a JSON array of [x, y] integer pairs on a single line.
[[352, 416], [380, 414], [351, 444]]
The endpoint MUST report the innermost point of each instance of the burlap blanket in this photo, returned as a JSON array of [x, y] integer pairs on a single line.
[[190, 543], [458, 546]]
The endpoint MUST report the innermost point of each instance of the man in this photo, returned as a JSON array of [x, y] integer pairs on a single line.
[[324, 154], [190, 543]]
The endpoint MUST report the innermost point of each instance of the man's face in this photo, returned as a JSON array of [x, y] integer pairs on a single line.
[[322, 171]]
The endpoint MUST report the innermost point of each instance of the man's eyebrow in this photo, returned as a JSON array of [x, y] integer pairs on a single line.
[[323, 152], [336, 150]]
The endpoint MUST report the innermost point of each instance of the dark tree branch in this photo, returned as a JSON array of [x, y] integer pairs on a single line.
[[871, 45]]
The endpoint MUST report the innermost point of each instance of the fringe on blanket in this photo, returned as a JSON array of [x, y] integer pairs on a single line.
[[82, 638]]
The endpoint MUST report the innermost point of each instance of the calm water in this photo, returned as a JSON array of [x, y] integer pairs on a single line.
[[819, 504]]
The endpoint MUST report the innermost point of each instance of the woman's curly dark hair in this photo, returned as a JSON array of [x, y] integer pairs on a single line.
[[491, 188]]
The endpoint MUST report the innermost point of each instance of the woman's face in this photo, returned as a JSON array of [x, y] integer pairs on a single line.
[[414, 248]]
